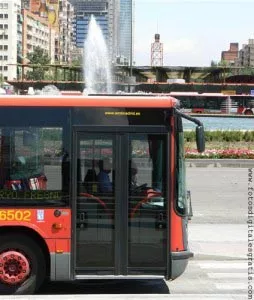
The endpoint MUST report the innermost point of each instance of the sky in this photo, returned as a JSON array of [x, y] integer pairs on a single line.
[[193, 32]]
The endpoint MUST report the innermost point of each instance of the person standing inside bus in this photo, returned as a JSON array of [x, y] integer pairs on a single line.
[[105, 185]]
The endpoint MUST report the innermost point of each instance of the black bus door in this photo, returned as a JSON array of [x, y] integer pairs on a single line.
[[120, 229]]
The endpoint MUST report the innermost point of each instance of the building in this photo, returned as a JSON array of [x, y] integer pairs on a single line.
[[246, 55], [231, 54], [157, 52], [37, 32], [25, 4], [66, 18], [106, 13], [10, 37], [125, 53]]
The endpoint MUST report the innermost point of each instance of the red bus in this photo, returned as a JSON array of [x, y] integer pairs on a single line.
[[57, 219], [215, 103]]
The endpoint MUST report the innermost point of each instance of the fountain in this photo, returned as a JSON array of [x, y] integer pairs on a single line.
[[96, 61]]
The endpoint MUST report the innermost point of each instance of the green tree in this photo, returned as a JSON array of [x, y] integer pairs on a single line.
[[225, 65], [38, 60], [77, 62], [246, 71], [1, 79]]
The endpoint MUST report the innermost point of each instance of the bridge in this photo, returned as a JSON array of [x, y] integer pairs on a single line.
[[147, 78]]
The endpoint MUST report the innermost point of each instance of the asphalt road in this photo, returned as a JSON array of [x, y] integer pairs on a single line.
[[219, 195]]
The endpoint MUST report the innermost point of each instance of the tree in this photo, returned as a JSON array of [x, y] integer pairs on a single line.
[[225, 65], [246, 71], [38, 60]]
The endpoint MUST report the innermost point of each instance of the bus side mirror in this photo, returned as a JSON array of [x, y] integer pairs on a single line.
[[200, 138]]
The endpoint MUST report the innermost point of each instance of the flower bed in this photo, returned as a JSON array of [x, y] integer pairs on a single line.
[[220, 153]]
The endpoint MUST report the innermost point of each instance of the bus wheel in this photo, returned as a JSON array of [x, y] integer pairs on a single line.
[[22, 265], [248, 112]]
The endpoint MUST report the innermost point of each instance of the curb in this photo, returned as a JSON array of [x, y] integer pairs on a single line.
[[220, 163]]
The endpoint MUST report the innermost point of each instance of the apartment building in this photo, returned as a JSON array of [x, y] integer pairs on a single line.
[[10, 37], [246, 55], [66, 17], [36, 32]]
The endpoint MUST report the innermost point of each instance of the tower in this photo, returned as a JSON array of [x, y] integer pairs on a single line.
[[156, 52]]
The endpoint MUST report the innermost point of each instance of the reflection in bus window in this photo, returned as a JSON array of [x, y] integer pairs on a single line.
[[147, 199], [148, 157], [31, 164], [95, 168]]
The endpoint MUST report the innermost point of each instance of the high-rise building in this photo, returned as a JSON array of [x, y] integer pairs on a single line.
[[125, 53], [10, 37], [66, 17], [106, 13], [37, 33]]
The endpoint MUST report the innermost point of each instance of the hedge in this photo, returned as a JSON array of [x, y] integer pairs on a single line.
[[222, 136]]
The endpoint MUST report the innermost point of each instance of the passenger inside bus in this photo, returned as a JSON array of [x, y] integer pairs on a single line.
[[105, 185]]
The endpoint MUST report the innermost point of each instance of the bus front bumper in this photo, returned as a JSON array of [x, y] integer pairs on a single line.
[[179, 261]]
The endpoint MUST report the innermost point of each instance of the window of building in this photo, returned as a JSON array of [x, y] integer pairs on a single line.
[[6, 16], [5, 57], [5, 68]]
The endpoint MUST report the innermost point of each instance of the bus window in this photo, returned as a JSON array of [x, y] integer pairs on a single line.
[[95, 200], [95, 165], [148, 154], [181, 203], [147, 200], [31, 165]]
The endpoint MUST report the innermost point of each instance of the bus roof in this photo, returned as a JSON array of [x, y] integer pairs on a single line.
[[88, 101]]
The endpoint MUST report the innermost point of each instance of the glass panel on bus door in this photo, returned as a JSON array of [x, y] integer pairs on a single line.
[[147, 201], [95, 201]]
